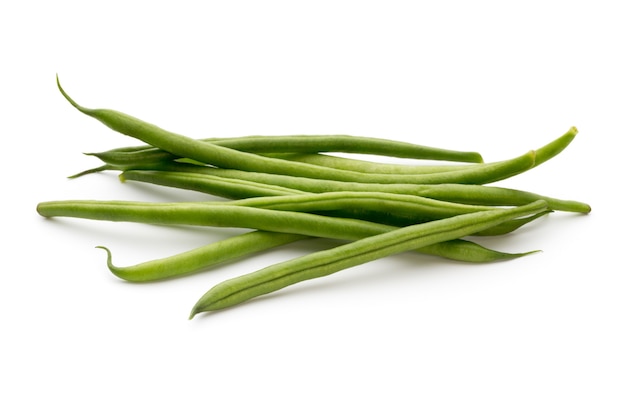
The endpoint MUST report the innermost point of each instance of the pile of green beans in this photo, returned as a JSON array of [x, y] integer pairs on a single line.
[[284, 189]]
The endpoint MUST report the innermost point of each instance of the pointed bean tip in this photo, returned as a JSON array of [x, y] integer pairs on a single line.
[[88, 171], [69, 99], [512, 256], [104, 248], [200, 307], [194, 311]]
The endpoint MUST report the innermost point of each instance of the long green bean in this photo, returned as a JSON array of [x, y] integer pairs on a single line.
[[248, 243], [216, 215], [228, 158], [228, 215], [152, 156], [381, 207], [203, 179], [326, 262], [130, 158], [313, 144]]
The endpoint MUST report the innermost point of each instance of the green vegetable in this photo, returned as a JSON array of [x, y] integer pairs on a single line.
[[206, 179], [253, 242], [322, 263], [219, 156], [285, 189]]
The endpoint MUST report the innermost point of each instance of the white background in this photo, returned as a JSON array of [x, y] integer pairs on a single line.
[[407, 335]]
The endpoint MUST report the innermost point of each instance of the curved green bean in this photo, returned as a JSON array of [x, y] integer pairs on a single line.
[[216, 155], [252, 242], [466, 174], [326, 262], [130, 158], [202, 257]]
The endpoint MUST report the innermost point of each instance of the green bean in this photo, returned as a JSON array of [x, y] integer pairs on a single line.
[[468, 174], [209, 153], [229, 215], [490, 195], [512, 225], [252, 242], [543, 154], [281, 149], [345, 144], [228, 158], [474, 174], [191, 177], [394, 209], [105, 167], [217, 215], [204, 256], [151, 158], [351, 164], [326, 262], [315, 144], [218, 186], [144, 157], [385, 208], [220, 215]]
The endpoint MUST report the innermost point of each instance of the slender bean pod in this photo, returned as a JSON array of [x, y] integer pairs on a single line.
[[203, 257], [216, 155], [210, 184], [377, 209], [216, 215], [191, 177], [326, 262], [152, 158], [314, 144], [252, 242], [212, 154], [130, 158], [228, 215], [358, 165]]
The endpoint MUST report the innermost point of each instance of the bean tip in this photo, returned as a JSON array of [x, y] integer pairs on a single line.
[[89, 171], [199, 307], [68, 98], [109, 256], [193, 313]]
